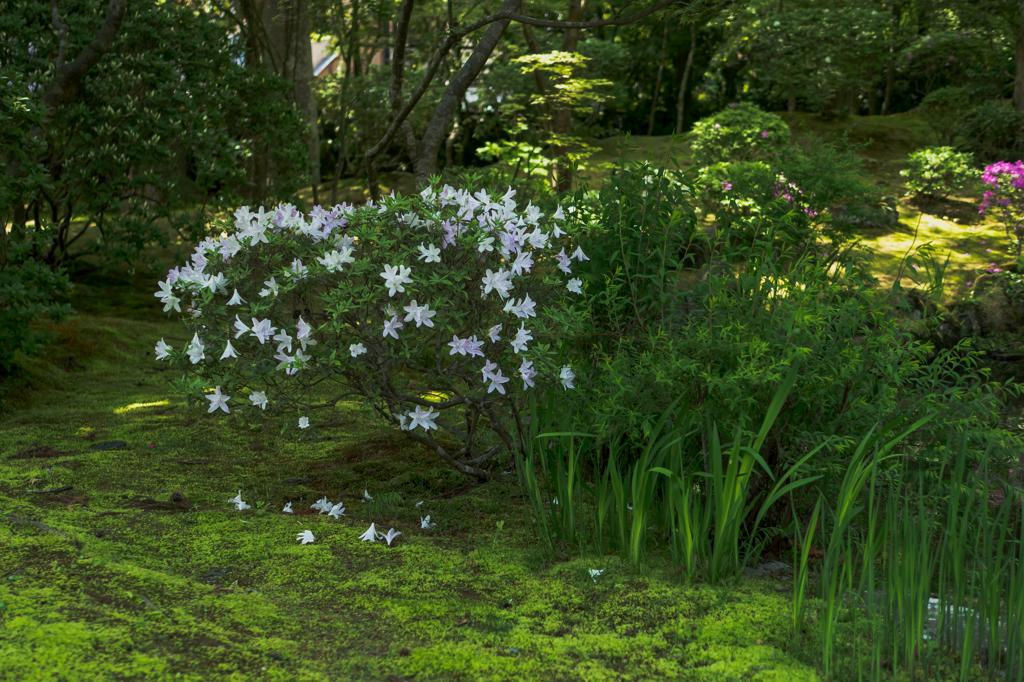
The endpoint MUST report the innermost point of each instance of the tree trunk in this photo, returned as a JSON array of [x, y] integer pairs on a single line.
[[890, 74], [657, 82], [348, 56], [1018, 59], [561, 117], [681, 102], [288, 46], [430, 145], [791, 102]]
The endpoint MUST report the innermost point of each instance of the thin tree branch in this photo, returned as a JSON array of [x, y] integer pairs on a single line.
[[398, 55]]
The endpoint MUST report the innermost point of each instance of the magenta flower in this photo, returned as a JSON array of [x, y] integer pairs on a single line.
[[764, 134], [1005, 193], [726, 186]]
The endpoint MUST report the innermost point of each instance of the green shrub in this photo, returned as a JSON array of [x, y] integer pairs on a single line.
[[721, 325], [157, 136], [944, 109], [740, 132], [806, 187], [935, 172], [992, 131], [27, 288]]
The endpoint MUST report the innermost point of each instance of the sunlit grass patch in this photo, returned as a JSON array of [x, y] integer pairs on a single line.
[[136, 406]]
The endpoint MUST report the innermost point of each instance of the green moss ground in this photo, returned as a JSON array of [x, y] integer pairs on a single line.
[[93, 587], [114, 591]]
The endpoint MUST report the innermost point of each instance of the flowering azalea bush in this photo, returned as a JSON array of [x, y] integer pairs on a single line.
[[439, 310], [1004, 192]]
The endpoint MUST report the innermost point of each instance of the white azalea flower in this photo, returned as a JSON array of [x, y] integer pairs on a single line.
[[574, 285], [429, 254], [420, 313], [165, 292], [594, 573], [366, 495], [337, 510], [392, 326], [259, 399], [237, 501], [218, 401], [370, 534], [172, 302], [425, 523], [162, 350], [356, 349], [394, 277], [196, 350], [567, 376], [287, 509], [420, 503], [391, 535], [527, 372], [424, 419], [303, 422], [229, 351], [522, 336], [306, 537], [271, 288], [262, 330]]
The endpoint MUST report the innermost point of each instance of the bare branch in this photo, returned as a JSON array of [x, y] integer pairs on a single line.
[[398, 55], [467, 469]]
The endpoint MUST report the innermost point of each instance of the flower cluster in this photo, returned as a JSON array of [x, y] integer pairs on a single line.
[[791, 193], [1005, 192], [306, 537], [377, 293]]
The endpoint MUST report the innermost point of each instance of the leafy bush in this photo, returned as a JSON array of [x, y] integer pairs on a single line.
[[935, 172], [27, 286], [461, 264], [164, 130], [740, 132], [992, 131], [943, 110], [720, 325], [818, 191]]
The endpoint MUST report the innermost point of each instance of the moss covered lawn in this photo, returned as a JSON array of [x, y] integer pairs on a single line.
[[106, 578]]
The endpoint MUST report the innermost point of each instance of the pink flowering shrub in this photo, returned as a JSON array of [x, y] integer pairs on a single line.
[[1004, 192]]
